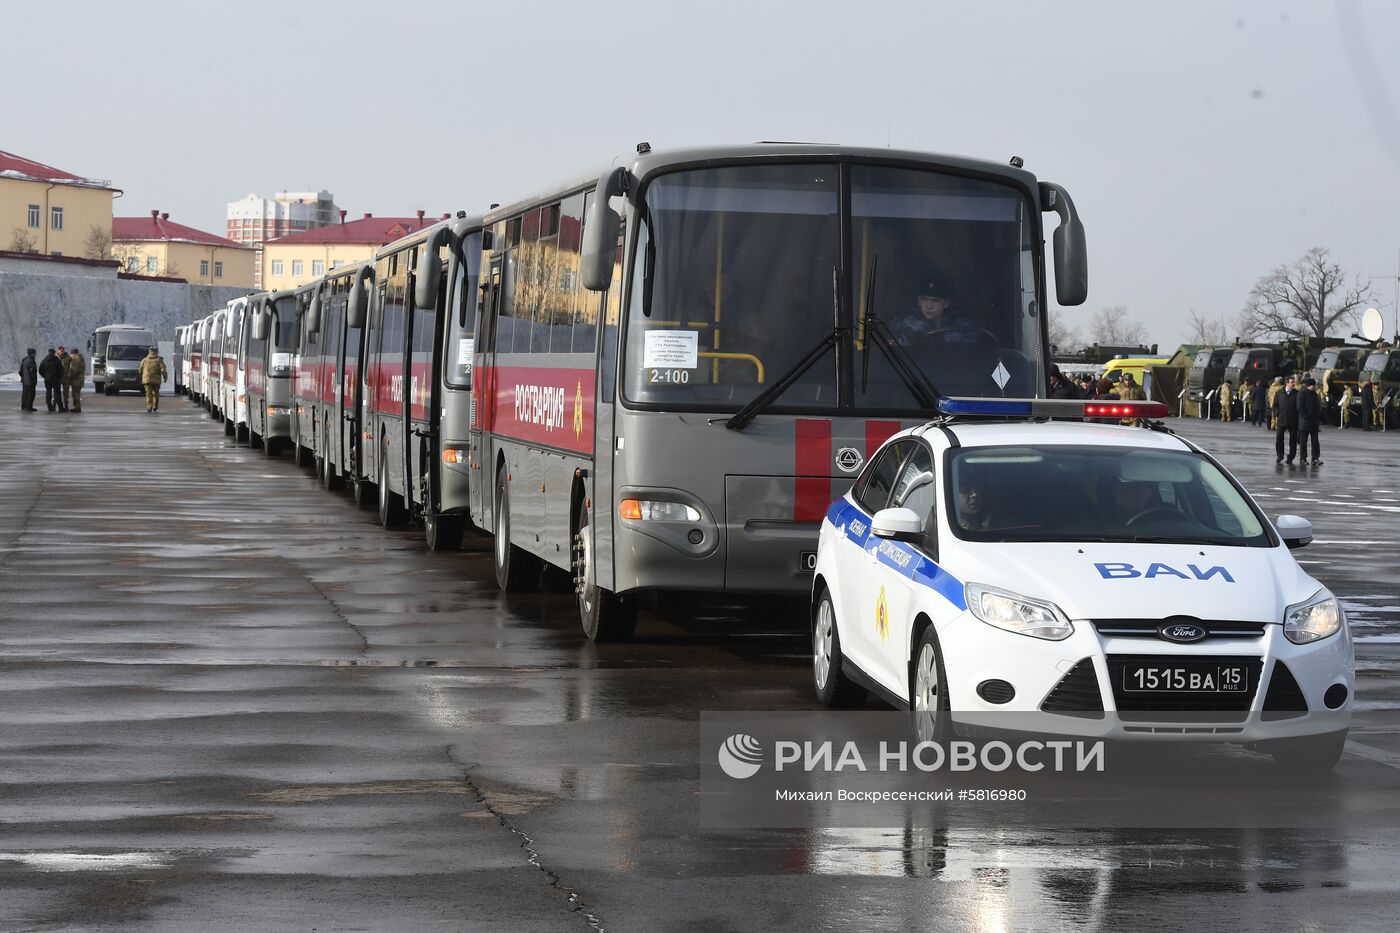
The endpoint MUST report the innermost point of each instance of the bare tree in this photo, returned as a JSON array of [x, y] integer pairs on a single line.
[[1113, 327], [1063, 337], [98, 244], [22, 241], [1204, 331], [1305, 298]]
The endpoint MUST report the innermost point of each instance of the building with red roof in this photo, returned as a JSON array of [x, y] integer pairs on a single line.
[[299, 258], [158, 246], [52, 211]]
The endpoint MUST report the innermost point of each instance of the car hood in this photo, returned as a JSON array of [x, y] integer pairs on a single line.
[[1144, 581]]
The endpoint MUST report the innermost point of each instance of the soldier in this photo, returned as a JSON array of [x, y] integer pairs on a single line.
[[153, 373], [1377, 410], [1130, 391], [76, 373], [28, 380], [1368, 404], [1345, 412], [1274, 390], [1227, 400], [1246, 400], [62, 378]]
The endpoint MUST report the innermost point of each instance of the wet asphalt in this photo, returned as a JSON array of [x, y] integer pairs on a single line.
[[230, 701]]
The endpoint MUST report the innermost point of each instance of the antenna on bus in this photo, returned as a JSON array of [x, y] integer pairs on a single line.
[[643, 148]]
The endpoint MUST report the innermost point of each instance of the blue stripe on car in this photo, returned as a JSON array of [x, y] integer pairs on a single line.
[[898, 556]]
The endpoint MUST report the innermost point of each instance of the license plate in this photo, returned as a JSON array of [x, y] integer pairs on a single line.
[[808, 561], [1170, 678]]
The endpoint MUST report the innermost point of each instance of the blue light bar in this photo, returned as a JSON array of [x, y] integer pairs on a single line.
[[1011, 407]]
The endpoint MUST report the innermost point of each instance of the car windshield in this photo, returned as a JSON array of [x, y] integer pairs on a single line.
[[1093, 493], [736, 281], [127, 351]]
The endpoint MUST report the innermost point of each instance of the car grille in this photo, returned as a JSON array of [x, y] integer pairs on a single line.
[[1285, 699], [1138, 706], [1077, 692], [1147, 628]]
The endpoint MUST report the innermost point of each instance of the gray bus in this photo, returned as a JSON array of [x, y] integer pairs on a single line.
[[269, 342], [679, 365]]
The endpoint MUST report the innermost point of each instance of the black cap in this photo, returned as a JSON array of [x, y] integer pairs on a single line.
[[32, 351], [1310, 381], [934, 286]]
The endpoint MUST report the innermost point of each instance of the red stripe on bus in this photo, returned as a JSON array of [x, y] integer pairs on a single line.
[[876, 433], [812, 485]]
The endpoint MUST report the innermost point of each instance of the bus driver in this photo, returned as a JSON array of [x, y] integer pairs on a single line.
[[932, 312]]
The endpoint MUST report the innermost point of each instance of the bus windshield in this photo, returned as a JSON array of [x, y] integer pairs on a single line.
[[736, 281]]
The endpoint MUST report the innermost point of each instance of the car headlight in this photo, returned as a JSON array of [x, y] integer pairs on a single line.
[[111, 370], [1019, 614], [1314, 620]]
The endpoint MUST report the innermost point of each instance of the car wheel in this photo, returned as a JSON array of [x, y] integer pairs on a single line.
[[1314, 753], [606, 616], [391, 510], [833, 687], [516, 570], [928, 691]]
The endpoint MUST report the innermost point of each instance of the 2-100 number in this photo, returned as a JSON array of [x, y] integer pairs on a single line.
[[671, 376]]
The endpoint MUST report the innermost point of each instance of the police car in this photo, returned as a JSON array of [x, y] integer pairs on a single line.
[[1116, 581]]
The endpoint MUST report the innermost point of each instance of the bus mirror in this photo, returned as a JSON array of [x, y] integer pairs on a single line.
[[1071, 260], [429, 272], [359, 297], [313, 313], [262, 319], [600, 232]]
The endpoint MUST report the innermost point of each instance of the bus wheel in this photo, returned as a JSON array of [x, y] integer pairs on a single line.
[[228, 428], [441, 532], [300, 455], [605, 615], [361, 489], [516, 570], [330, 476], [391, 510]]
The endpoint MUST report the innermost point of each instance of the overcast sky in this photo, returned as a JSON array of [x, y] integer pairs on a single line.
[[1204, 143]]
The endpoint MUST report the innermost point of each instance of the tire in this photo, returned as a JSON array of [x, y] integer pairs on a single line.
[[605, 615], [228, 429], [391, 511], [928, 693], [108, 391], [272, 447], [330, 477], [516, 570], [300, 455], [1315, 753], [362, 490], [440, 532], [256, 441], [241, 435], [833, 687]]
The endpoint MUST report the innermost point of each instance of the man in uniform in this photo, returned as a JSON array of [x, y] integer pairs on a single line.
[[1378, 409], [1368, 405], [932, 312], [1274, 389], [1260, 402], [1347, 399], [1310, 420], [153, 373], [28, 380], [1286, 417], [74, 378], [1130, 391], [51, 371], [63, 397], [1227, 400]]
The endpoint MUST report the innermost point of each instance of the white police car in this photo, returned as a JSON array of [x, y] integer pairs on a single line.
[[1116, 578]]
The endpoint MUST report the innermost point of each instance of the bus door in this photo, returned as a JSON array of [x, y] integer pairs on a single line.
[[484, 397]]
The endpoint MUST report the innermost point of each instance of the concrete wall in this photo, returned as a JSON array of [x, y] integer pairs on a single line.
[[42, 311]]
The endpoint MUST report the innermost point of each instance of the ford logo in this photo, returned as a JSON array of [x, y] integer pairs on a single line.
[[1182, 632]]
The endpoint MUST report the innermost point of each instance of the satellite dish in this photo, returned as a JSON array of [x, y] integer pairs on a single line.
[[1372, 325]]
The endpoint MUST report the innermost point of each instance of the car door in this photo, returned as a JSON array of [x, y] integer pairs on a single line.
[[855, 590], [896, 594]]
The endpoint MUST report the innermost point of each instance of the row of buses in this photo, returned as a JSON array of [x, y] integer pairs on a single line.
[[656, 379]]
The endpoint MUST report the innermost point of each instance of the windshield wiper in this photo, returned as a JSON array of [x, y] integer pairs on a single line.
[[874, 331]]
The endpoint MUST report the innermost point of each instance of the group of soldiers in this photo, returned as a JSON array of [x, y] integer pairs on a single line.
[[63, 373], [1254, 401]]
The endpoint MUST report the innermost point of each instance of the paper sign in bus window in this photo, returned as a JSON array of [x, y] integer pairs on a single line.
[[464, 350], [672, 349]]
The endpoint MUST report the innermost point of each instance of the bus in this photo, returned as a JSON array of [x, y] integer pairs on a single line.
[[97, 352], [268, 346], [233, 384], [214, 366], [678, 365], [197, 341], [417, 305]]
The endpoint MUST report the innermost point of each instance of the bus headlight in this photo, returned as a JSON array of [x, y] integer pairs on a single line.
[[111, 370], [1019, 614], [653, 510], [279, 409], [1313, 620]]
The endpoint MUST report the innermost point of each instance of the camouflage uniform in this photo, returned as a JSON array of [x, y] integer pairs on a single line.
[[1130, 392], [153, 373], [1274, 390], [63, 394], [1346, 406], [75, 373], [1227, 400], [1378, 412]]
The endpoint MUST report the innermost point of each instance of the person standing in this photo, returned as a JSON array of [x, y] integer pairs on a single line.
[[1130, 391], [1260, 402], [1368, 404], [1310, 420], [1377, 407], [1286, 417], [153, 373], [1227, 400], [51, 371], [74, 378], [28, 380], [62, 379], [1247, 400], [1345, 411]]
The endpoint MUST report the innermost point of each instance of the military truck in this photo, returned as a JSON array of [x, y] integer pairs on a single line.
[[1335, 369], [1383, 366], [1207, 369], [1267, 360]]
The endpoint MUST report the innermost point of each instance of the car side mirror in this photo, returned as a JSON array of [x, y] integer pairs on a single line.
[[898, 525], [1295, 531]]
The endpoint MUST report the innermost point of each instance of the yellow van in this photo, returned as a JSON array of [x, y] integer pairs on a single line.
[[1114, 369]]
